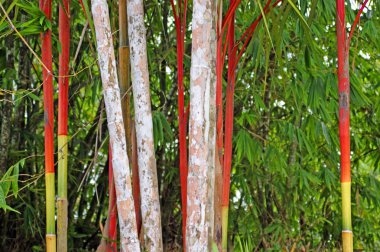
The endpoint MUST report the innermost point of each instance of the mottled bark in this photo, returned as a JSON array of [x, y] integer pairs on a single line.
[[150, 204], [125, 89], [136, 180], [200, 196], [122, 174]]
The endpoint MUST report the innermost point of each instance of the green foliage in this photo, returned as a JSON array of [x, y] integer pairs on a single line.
[[285, 190], [161, 130], [10, 181]]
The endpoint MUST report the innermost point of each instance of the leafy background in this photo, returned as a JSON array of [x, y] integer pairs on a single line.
[[285, 178]]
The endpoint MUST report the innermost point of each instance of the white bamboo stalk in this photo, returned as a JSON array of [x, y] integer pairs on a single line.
[[201, 177], [122, 176], [150, 204]]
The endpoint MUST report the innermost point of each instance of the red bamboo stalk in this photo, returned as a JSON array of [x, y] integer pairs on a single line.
[[63, 81], [229, 114], [48, 90], [182, 134], [180, 24], [219, 170], [46, 48], [230, 14], [344, 91], [343, 47], [344, 125], [228, 127], [232, 63], [64, 57], [220, 58], [219, 99], [219, 132], [112, 209]]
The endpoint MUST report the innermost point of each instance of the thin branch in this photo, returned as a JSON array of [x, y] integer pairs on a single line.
[[80, 43], [251, 29], [354, 24]]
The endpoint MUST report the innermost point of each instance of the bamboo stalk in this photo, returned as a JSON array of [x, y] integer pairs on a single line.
[[356, 21], [45, 6], [343, 48], [112, 210], [124, 73], [150, 209], [180, 25], [122, 176], [125, 84], [202, 128], [109, 231], [228, 129], [233, 59], [219, 131], [136, 179], [64, 58], [344, 125], [221, 174]]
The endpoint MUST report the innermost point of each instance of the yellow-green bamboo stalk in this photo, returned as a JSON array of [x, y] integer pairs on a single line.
[[224, 227], [62, 203], [50, 212], [347, 237]]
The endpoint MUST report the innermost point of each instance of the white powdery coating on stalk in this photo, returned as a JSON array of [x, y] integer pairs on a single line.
[[122, 176], [150, 204], [201, 175]]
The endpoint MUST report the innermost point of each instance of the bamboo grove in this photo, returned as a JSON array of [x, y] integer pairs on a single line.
[[176, 125]]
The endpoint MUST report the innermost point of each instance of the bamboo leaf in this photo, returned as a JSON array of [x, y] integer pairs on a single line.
[[265, 23], [298, 13], [160, 130], [33, 96], [3, 203], [6, 180], [166, 127], [2, 197], [7, 12], [325, 133], [15, 180]]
